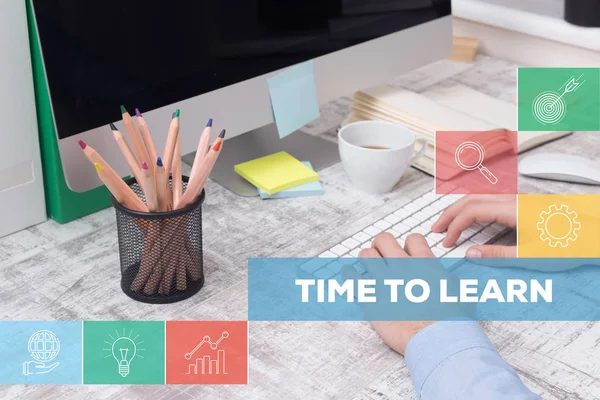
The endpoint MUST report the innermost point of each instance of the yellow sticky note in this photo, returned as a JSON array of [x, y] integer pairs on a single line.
[[276, 172], [559, 225]]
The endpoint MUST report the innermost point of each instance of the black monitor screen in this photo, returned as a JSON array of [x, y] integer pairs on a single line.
[[151, 53]]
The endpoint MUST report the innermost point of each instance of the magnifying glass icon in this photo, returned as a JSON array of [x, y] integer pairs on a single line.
[[469, 156]]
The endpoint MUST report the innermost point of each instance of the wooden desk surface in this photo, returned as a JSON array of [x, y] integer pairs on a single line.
[[71, 272]]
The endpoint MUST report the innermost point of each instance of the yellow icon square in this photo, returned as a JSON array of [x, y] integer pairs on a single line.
[[558, 225]]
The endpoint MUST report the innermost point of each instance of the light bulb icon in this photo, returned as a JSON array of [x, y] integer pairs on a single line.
[[123, 350]]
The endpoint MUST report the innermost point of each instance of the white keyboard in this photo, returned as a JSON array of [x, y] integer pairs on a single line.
[[415, 217]]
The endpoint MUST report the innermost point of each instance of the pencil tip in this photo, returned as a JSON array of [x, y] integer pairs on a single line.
[[123, 109], [98, 167], [222, 134], [159, 162], [82, 144], [144, 165], [217, 146], [137, 112], [209, 123], [113, 127], [176, 115]]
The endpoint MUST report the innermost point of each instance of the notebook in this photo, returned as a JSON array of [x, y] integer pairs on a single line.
[[276, 172], [308, 189], [454, 108]]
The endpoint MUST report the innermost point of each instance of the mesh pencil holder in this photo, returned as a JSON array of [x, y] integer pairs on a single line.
[[161, 253]]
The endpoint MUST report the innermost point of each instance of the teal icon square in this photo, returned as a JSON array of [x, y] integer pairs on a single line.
[[559, 99]]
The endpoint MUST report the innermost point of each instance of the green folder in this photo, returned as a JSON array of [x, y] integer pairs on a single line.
[[62, 203]]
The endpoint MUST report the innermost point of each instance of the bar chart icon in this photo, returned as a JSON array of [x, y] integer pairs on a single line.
[[205, 365]]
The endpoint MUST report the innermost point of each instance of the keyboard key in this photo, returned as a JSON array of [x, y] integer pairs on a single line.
[[372, 230], [312, 265], [471, 231], [393, 232], [421, 216], [430, 241], [429, 210], [430, 195], [335, 267], [382, 224], [366, 245], [347, 259], [490, 231], [411, 222], [401, 228], [324, 273], [438, 252], [327, 254], [438, 237], [354, 253], [393, 219], [421, 202], [402, 213], [361, 237], [427, 225], [351, 243], [438, 206], [411, 207], [480, 238], [421, 230], [441, 248], [497, 227], [477, 226], [339, 250], [460, 251]]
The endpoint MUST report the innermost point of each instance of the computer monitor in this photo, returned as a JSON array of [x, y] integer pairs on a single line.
[[211, 59]]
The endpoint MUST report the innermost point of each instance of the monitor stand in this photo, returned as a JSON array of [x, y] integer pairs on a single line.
[[261, 142]]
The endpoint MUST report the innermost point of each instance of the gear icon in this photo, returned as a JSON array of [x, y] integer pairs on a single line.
[[567, 221]]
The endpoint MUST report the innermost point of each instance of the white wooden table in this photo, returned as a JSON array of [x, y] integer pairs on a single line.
[[71, 272]]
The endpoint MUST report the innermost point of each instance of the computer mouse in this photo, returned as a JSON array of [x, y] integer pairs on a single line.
[[560, 167]]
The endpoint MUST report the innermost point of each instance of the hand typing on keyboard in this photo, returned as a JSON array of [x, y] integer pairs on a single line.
[[478, 210], [448, 359], [397, 334]]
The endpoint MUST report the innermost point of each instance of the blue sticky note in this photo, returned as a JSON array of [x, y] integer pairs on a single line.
[[308, 189], [294, 98], [41, 352]]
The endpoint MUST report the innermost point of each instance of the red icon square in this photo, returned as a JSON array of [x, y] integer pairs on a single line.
[[207, 352], [476, 162]]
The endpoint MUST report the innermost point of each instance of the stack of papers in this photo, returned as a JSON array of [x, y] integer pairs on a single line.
[[280, 175], [457, 108]]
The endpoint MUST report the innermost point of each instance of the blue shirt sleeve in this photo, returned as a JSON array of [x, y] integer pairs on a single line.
[[456, 360]]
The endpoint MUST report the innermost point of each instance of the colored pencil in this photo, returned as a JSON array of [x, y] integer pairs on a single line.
[[171, 142], [134, 137], [124, 190], [162, 181], [120, 190], [148, 140], [194, 188], [176, 172], [203, 147], [127, 153], [147, 185]]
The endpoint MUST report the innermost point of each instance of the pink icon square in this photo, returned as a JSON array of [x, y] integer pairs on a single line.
[[476, 162]]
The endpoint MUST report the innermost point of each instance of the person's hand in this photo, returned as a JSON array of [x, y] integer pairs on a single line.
[[397, 334], [483, 209]]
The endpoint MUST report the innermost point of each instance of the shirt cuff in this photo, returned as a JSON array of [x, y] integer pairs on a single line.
[[439, 341]]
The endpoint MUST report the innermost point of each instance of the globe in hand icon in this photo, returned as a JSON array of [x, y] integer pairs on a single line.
[[43, 346]]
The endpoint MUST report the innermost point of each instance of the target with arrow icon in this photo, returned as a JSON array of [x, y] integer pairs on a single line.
[[549, 107]]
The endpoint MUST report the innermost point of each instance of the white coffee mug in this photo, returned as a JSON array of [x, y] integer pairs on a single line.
[[375, 154]]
